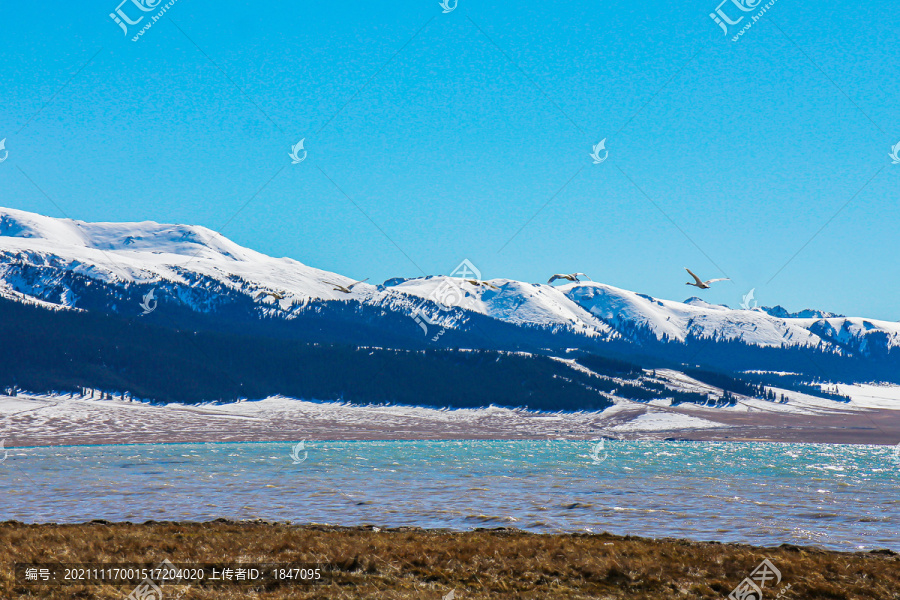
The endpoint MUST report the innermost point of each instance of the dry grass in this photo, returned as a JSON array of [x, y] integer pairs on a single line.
[[414, 563]]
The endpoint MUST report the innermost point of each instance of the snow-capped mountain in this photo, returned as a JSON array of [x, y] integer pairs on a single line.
[[201, 278]]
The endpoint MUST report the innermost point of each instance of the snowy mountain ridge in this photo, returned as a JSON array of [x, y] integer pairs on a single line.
[[63, 263]]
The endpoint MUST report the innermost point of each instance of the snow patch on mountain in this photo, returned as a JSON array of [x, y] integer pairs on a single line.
[[508, 300], [782, 313], [676, 321]]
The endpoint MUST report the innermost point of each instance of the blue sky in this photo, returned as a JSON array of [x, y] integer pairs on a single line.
[[467, 135]]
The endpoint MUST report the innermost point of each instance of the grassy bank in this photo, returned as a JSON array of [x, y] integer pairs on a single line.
[[415, 563]]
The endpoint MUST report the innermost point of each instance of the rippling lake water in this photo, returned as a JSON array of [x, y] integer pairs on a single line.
[[839, 497]]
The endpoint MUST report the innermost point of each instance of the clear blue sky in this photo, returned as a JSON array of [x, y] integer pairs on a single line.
[[455, 142]]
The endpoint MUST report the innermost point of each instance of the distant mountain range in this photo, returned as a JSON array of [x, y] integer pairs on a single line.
[[189, 278]]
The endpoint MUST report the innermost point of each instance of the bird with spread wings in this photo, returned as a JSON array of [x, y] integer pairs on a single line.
[[477, 283], [703, 285], [346, 288], [568, 277], [276, 295]]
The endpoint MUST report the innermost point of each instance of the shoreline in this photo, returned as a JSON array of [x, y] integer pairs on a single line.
[[311, 439], [406, 562], [407, 529], [56, 421]]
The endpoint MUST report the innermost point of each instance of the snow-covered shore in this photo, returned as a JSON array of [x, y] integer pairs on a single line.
[[40, 420]]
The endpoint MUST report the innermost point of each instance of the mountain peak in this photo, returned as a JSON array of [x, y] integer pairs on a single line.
[[807, 313], [701, 303], [147, 236]]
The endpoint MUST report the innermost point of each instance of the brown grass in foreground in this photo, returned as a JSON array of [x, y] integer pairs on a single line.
[[421, 564]]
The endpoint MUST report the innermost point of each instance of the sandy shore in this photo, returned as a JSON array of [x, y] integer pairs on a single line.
[[34, 420], [366, 562]]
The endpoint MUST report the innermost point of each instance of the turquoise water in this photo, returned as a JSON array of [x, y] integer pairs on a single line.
[[839, 497]]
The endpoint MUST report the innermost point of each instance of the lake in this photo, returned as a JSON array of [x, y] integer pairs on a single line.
[[837, 497]]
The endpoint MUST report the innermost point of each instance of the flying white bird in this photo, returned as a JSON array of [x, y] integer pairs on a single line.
[[276, 295], [703, 285], [569, 277], [596, 153], [346, 289], [484, 283]]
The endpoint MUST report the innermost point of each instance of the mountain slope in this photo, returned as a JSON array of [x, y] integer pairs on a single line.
[[202, 280]]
